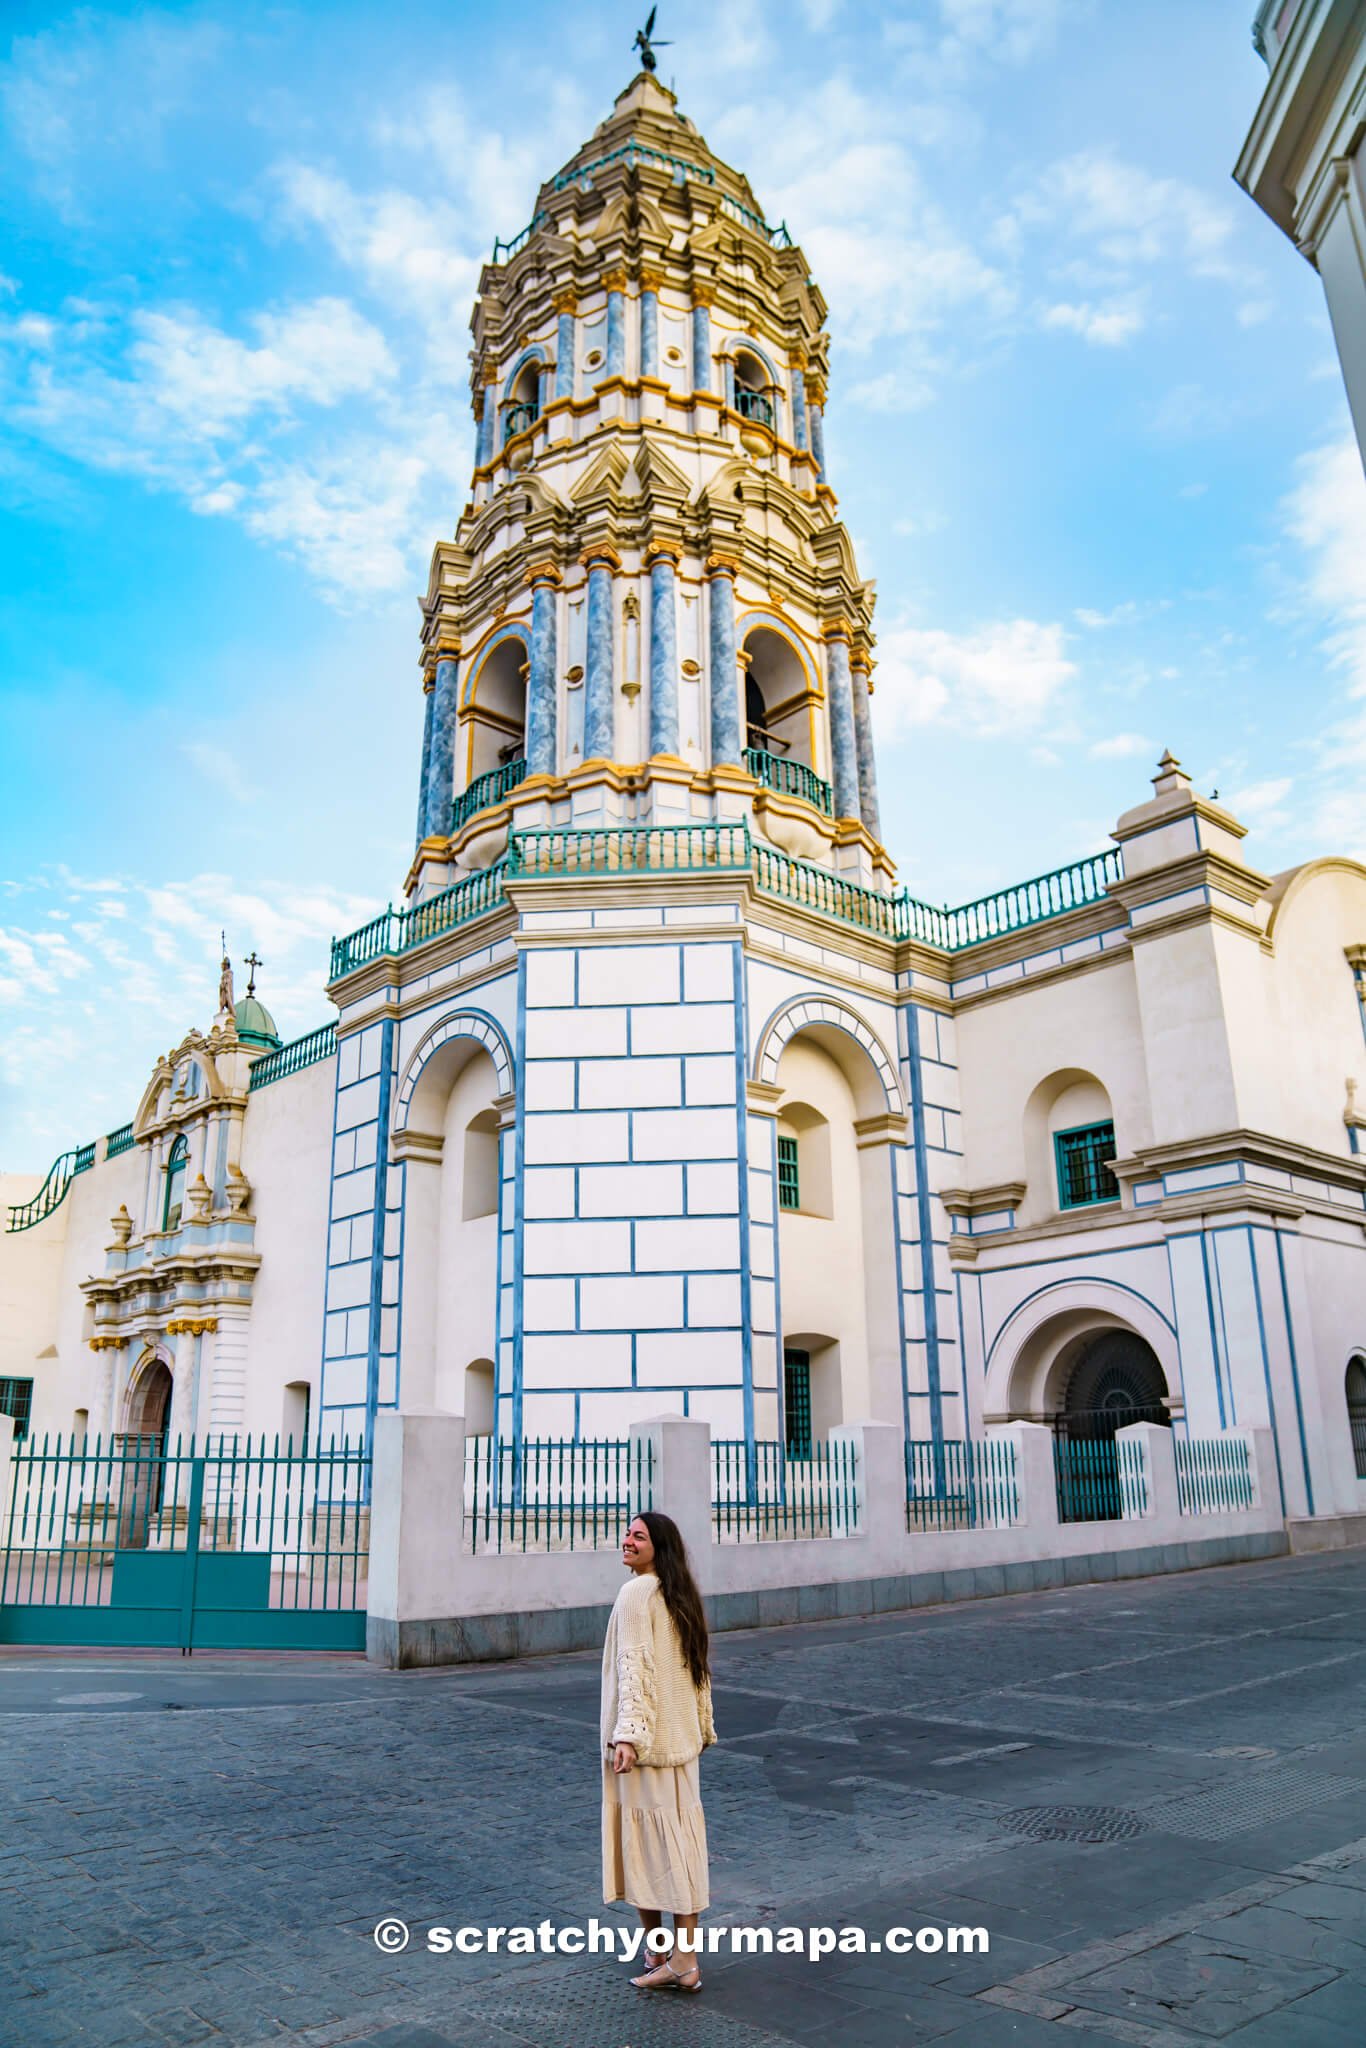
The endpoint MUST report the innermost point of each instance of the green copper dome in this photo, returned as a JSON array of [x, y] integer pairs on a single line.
[[255, 1025]]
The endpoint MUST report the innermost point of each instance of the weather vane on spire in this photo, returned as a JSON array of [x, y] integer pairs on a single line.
[[646, 44]]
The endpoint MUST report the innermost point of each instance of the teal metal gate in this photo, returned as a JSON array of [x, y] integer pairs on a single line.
[[236, 1544]]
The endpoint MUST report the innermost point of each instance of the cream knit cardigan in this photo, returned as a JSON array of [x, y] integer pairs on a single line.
[[648, 1695]]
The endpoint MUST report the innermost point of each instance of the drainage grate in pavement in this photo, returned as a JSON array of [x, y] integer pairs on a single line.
[[1074, 1823], [1249, 1801], [603, 2011]]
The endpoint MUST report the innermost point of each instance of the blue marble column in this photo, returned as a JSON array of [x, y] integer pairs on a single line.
[[564, 352], [441, 782], [542, 682], [484, 444], [429, 693], [816, 422], [599, 711], [649, 332], [616, 331], [863, 737], [726, 736], [663, 657], [843, 740], [701, 348], [799, 433]]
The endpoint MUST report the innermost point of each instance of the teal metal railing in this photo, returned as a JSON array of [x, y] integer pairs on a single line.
[[487, 790], [555, 1493], [398, 931], [121, 1140], [50, 1196], [777, 238], [627, 849], [790, 778], [1213, 1474], [85, 1158], [754, 405], [816, 888], [518, 418], [303, 1052], [503, 251], [632, 153], [762, 1492], [953, 1484], [1099, 1479]]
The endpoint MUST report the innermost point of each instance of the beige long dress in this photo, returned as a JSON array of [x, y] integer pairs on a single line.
[[654, 1833]]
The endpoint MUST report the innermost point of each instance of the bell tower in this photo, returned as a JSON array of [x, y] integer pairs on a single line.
[[639, 1092], [650, 614]]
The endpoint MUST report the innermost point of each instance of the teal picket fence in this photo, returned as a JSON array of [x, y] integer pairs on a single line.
[[1213, 1474], [955, 1484], [761, 1491], [555, 1493]]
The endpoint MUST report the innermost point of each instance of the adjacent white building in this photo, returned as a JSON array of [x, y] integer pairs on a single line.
[[658, 1094]]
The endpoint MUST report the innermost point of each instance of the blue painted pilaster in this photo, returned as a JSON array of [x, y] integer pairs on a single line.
[[728, 382], [616, 334], [599, 711], [441, 781], [726, 739], [816, 425], [843, 742], [564, 354], [649, 334], [663, 657], [863, 738], [377, 1247], [429, 696], [701, 348], [541, 682], [799, 433]]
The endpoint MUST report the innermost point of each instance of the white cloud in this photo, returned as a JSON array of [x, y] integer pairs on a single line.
[[219, 767], [1261, 801], [1132, 218], [1325, 514], [996, 679], [396, 242], [1122, 746], [1105, 326]]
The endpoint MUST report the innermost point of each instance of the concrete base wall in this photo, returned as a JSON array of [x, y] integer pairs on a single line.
[[1325, 1532], [547, 1632]]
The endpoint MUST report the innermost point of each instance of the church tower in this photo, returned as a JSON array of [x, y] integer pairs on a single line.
[[629, 1092]]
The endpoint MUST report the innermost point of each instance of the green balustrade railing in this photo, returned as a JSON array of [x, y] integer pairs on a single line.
[[953, 1484], [316, 1045], [518, 418], [84, 1159], [503, 251], [816, 888], [487, 790], [1213, 1474], [754, 405], [554, 1493], [51, 1195], [628, 849], [763, 1492], [398, 931], [790, 778], [1032, 902], [777, 238], [121, 1140]]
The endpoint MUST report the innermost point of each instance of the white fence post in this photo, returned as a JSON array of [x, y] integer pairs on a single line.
[[1138, 1491], [880, 1479], [1034, 1475], [1159, 1463], [417, 1526], [1261, 1445], [681, 1475]]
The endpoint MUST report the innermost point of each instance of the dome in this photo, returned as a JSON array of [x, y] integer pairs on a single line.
[[255, 1025]]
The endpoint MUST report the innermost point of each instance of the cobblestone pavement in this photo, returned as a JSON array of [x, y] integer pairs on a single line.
[[199, 1853]]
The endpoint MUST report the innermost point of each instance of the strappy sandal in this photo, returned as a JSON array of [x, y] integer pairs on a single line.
[[666, 1978]]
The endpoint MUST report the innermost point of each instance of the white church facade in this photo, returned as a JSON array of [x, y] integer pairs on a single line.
[[658, 1094]]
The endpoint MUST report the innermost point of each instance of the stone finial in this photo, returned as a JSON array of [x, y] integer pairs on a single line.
[[201, 1198], [1171, 778], [121, 1223], [239, 1190], [1351, 1115]]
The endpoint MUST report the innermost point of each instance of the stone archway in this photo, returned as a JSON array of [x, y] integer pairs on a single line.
[[1114, 1379]]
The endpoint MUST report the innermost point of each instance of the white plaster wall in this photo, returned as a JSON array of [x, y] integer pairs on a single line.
[[1295, 1080], [466, 1267], [31, 1272], [286, 1149], [94, 1198]]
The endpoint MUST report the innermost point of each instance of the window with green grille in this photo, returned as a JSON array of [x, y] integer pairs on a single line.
[[16, 1399], [1084, 1174], [789, 1185], [177, 1166], [797, 1402]]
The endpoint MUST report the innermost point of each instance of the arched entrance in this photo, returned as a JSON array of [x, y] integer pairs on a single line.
[[141, 1451], [1115, 1379]]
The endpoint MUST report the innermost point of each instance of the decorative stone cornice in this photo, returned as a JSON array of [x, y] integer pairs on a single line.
[[107, 1343], [1006, 1194], [565, 302], [191, 1326]]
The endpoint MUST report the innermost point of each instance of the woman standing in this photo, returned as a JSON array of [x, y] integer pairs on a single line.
[[656, 1721]]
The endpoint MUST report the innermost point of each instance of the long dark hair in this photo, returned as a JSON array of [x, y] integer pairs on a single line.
[[679, 1589]]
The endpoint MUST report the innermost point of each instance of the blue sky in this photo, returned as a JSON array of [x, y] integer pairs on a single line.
[[1086, 426]]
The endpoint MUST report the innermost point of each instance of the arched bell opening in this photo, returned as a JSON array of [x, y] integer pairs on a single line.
[[778, 702], [494, 717]]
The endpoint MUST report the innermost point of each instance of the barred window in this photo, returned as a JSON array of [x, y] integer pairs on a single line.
[[16, 1399], [789, 1185], [177, 1166], [1084, 1174], [797, 1402]]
